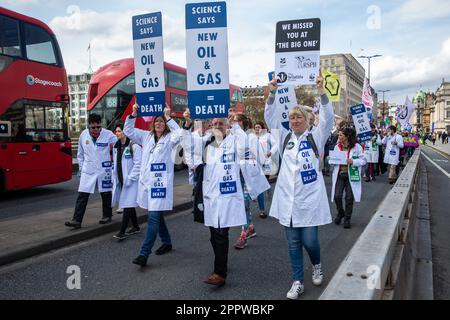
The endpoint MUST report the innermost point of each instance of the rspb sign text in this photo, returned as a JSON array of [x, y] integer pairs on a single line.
[[149, 64], [207, 60]]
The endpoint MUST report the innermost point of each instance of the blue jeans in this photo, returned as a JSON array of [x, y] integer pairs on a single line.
[[307, 237], [261, 203], [156, 224]]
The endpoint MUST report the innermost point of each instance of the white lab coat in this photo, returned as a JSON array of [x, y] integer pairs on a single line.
[[392, 152], [155, 191], [223, 196], [126, 196], [193, 145], [94, 161], [300, 195], [278, 129], [268, 143], [371, 149], [356, 151]]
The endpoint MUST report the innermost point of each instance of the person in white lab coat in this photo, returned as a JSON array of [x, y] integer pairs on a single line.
[[371, 153], [393, 143], [195, 136], [127, 158], [223, 197], [155, 190], [300, 201], [270, 163], [95, 168], [347, 177]]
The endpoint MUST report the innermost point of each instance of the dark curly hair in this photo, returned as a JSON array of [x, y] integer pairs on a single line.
[[350, 133]]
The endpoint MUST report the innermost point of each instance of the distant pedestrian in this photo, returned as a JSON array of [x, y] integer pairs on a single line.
[[95, 168], [393, 143], [433, 138], [371, 153], [444, 137], [127, 158]]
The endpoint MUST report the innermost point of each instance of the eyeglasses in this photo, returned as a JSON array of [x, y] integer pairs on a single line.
[[95, 128]]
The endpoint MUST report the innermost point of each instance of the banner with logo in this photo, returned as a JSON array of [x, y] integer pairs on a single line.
[[361, 122], [207, 60], [149, 64], [5, 128], [332, 85], [297, 51], [403, 113]]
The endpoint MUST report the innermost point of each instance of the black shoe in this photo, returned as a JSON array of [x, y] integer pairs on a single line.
[[132, 230], [120, 236], [105, 220], [373, 178], [367, 180], [347, 224], [163, 249], [140, 260], [338, 220], [74, 224], [262, 215]]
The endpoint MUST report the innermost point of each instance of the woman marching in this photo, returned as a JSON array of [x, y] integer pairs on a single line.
[[127, 158], [371, 153], [300, 201], [347, 177], [155, 191]]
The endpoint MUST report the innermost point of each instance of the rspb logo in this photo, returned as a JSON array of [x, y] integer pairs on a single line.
[[30, 80]]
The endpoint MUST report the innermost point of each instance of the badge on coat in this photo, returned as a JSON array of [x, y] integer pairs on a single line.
[[158, 181], [228, 187], [309, 176], [393, 152]]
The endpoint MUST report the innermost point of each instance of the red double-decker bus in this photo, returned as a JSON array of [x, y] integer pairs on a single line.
[[35, 147], [112, 89]]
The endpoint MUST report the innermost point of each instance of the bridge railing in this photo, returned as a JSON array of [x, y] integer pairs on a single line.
[[371, 269]]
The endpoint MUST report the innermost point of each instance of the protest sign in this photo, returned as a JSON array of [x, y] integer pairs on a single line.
[[207, 60], [361, 121], [332, 85], [297, 51], [149, 64]]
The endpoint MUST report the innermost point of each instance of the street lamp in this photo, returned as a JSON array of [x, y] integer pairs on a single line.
[[368, 58], [384, 104]]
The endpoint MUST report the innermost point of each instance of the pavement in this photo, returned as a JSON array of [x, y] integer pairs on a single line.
[[24, 235], [443, 149], [439, 202]]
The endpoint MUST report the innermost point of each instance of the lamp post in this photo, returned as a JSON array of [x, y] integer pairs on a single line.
[[368, 58], [384, 104]]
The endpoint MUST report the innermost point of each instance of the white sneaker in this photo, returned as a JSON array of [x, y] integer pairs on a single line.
[[317, 275], [120, 210], [296, 290]]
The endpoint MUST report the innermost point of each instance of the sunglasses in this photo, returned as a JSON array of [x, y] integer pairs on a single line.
[[97, 127]]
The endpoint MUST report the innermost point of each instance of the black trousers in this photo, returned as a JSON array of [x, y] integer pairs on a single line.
[[220, 242], [342, 184], [82, 200], [129, 213]]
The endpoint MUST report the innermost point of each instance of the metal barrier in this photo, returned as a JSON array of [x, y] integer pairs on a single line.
[[371, 268]]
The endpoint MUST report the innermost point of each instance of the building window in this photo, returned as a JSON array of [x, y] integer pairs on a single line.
[[333, 61], [9, 37], [448, 114], [448, 103]]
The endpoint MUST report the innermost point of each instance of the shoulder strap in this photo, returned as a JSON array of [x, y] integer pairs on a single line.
[[286, 140], [311, 141]]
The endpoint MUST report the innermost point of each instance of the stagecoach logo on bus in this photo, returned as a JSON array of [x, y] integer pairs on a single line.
[[149, 64], [31, 80], [297, 51], [207, 60]]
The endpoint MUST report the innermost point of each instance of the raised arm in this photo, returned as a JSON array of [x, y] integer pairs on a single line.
[[137, 159], [326, 116], [136, 135]]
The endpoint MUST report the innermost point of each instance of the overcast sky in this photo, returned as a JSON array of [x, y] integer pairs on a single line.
[[412, 35]]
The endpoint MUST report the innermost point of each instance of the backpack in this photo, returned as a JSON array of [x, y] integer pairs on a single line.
[[311, 141]]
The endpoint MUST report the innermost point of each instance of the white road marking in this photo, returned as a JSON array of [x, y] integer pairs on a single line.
[[436, 165]]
